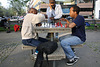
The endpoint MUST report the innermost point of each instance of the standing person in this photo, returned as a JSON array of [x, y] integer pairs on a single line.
[[4, 23], [77, 37], [28, 33], [54, 11]]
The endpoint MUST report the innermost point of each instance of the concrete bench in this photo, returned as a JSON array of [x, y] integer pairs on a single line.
[[25, 47], [77, 46], [57, 55], [31, 48]]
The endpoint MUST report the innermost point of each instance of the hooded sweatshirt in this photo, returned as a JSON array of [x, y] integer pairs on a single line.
[[30, 21]]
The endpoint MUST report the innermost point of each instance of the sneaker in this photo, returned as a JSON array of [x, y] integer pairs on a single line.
[[76, 57], [74, 50], [72, 61], [35, 56], [48, 36], [36, 52]]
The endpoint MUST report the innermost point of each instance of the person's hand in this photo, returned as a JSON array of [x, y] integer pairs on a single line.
[[39, 24], [63, 19], [52, 18]]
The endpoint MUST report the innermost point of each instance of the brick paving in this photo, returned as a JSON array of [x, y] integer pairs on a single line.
[[8, 42]]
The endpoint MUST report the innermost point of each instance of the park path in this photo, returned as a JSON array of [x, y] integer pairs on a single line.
[[89, 54]]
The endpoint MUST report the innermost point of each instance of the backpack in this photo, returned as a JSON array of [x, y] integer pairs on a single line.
[[16, 27], [87, 24], [47, 48]]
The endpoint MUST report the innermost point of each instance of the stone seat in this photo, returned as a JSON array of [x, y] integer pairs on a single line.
[[25, 47], [77, 46]]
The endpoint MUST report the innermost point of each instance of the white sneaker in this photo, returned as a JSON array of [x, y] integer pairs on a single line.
[[35, 55], [72, 61], [76, 57]]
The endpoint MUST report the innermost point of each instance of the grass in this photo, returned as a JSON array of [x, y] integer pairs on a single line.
[[11, 27], [91, 27]]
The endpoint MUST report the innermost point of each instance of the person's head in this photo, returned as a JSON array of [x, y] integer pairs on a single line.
[[74, 11], [52, 3], [33, 10]]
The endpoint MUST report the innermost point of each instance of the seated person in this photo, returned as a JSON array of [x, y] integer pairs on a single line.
[[77, 37], [53, 12], [29, 36]]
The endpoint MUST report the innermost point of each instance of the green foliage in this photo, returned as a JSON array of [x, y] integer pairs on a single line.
[[0, 3], [20, 2], [18, 5], [16, 8], [11, 27], [1, 11], [92, 27]]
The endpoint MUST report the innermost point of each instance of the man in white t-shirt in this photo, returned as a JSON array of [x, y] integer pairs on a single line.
[[54, 11]]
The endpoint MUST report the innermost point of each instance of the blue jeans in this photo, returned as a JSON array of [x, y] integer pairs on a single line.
[[34, 42], [66, 42]]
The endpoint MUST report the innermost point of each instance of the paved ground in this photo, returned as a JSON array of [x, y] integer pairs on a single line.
[[89, 54]]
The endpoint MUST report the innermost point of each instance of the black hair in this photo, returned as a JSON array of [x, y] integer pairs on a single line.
[[76, 9], [52, 1], [32, 8]]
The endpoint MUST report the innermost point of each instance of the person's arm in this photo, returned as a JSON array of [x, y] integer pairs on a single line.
[[47, 11], [38, 18], [59, 15], [70, 25]]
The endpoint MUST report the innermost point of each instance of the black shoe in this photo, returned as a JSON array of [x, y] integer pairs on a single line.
[[48, 37], [8, 31], [73, 50], [71, 62]]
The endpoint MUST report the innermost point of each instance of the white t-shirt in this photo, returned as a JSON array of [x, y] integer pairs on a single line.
[[57, 13]]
